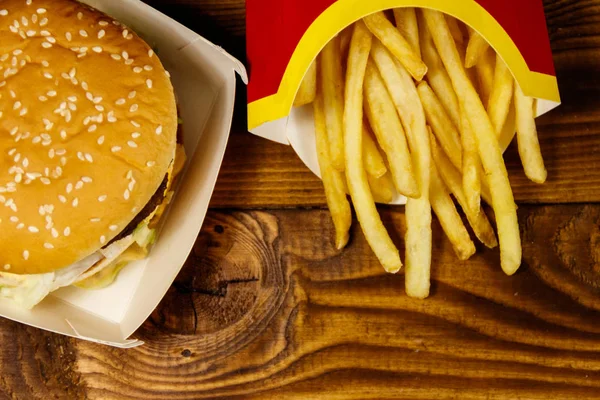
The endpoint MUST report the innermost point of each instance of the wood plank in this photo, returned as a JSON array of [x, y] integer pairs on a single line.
[[266, 308]]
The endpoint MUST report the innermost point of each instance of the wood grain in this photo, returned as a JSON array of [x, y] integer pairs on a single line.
[[263, 310], [266, 308]]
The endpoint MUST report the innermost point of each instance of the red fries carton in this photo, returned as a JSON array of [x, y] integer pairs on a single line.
[[285, 36]]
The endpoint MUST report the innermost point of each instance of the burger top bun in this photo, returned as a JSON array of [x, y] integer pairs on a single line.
[[88, 126]]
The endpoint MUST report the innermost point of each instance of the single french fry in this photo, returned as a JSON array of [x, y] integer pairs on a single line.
[[471, 165], [453, 180], [332, 81], [527, 138], [374, 162], [345, 37], [406, 22], [437, 76], [455, 30], [387, 33], [442, 126], [489, 150], [389, 132], [308, 88], [382, 188], [501, 96], [452, 224], [475, 49], [485, 74], [334, 181], [418, 211], [358, 184]]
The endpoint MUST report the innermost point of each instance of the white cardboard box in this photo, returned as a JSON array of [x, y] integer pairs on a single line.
[[204, 77]]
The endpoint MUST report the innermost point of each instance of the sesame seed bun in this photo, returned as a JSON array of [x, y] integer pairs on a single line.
[[88, 125]]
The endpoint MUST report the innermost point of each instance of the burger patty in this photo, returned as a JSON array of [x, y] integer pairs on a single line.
[[154, 202]]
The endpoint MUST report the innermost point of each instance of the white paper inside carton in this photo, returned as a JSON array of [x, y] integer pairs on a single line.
[[204, 80]]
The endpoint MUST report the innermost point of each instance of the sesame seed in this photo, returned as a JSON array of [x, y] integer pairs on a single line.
[[148, 67], [102, 239], [45, 136], [131, 185], [72, 72], [97, 100], [116, 56], [150, 53], [80, 156], [62, 198], [26, 255], [67, 231], [126, 195], [18, 178], [36, 140], [103, 23], [125, 55], [75, 202], [83, 33], [69, 188], [132, 94], [25, 162], [48, 75], [137, 70], [84, 86], [92, 128], [45, 181], [102, 198], [51, 93], [61, 152], [14, 130], [17, 52], [49, 246], [95, 219], [46, 45], [54, 233], [136, 135], [132, 144], [4, 13], [89, 158], [97, 49], [44, 22], [17, 157], [23, 112], [33, 229], [115, 149], [63, 134], [101, 33], [129, 61], [99, 107], [44, 33], [113, 227], [101, 140], [43, 98], [17, 105], [133, 108], [111, 117], [14, 219], [129, 174], [72, 107], [150, 164], [69, 36], [41, 11], [24, 21], [78, 185], [21, 226], [86, 179]]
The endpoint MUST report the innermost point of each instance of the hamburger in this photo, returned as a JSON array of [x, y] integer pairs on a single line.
[[88, 140]]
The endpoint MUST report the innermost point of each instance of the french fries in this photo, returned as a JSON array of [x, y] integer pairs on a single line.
[[374, 162], [333, 180], [475, 49], [452, 224], [383, 29], [383, 130], [333, 97], [308, 88], [489, 149], [436, 75], [441, 124], [527, 138], [406, 22], [356, 175], [389, 132], [452, 177], [501, 95], [471, 165]]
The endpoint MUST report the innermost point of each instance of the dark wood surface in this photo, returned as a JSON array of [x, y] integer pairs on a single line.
[[266, 308]]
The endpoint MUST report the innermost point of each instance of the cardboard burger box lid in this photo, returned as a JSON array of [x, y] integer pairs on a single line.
[[285, 36], [204, 77]]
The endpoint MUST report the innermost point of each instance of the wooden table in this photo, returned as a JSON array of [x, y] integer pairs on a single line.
[[265, 308]]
